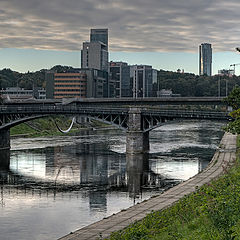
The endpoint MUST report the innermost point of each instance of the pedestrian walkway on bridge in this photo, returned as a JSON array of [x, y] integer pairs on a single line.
[[225, 156]]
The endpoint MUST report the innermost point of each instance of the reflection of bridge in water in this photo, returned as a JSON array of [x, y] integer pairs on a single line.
[[85, 173]]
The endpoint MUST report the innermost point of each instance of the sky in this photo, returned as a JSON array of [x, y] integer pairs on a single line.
[[37, 34]]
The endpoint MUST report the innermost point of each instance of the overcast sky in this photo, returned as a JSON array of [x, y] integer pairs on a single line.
[[157, 32]]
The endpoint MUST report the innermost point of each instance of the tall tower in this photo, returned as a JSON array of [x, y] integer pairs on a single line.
[[94, 54], [205, 59], [99, 35]]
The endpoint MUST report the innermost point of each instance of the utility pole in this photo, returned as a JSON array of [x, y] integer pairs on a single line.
[[219, 89], [226, 87]]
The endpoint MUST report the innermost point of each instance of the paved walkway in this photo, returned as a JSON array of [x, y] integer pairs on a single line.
[[223, 157]]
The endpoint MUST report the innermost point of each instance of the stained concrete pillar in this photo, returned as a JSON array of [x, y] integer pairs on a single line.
[[4, 139], [137, 140]]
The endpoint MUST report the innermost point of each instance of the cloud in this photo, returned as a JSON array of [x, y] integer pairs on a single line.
[[134, 25]]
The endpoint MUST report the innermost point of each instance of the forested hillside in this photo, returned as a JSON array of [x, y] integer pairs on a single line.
[[188, 84], [185, 84], [10, 78]]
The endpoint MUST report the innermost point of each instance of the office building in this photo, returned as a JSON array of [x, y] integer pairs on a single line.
[[94, 54], [205, 59], [77, 83], [143, 77], [99, 35], [70, 84], [120, 85], [97, 83]]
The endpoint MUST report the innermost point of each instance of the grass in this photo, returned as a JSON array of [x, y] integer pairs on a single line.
[[42, 127], [211, 212], [46, 127]]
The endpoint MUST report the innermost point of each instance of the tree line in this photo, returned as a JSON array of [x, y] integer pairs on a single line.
[[191, 85], [28, 80], [185, 84]]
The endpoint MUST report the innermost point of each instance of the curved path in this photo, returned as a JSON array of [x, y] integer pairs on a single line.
[[224, 157]]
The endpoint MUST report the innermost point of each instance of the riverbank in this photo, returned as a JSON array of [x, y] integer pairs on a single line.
[[205, 213], [47, 127]]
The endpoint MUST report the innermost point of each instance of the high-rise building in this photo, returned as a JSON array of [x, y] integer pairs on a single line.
[[94, 54], [120, 80], [99, 35], [205, 59], [143, 77]]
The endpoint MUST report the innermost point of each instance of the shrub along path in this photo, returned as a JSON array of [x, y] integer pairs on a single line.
[[187, 217]]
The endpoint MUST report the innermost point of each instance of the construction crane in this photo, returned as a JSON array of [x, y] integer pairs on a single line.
[[234, 65]]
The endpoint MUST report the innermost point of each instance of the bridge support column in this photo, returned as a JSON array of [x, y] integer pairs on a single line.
[[4, 160], [137, 140], [4, 139]]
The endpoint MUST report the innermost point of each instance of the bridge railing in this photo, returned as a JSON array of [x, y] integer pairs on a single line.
[[184, 112], [72, 109], [57, 109]]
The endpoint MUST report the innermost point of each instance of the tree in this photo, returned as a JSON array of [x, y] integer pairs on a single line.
[[233, 100]]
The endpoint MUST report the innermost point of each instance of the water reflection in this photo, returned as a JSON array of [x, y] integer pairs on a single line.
[[4, 167], [80, 167], [68, 186], [137, 173]]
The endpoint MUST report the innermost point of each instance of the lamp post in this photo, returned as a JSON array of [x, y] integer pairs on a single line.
[[226, 87], [219, 89]]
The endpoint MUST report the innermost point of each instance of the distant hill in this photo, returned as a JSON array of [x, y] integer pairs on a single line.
[[10, 78], [186, 84]]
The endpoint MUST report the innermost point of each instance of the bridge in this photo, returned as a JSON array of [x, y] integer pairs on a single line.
[[136, 116]]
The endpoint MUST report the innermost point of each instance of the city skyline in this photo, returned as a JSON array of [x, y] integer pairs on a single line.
[[36, 34]]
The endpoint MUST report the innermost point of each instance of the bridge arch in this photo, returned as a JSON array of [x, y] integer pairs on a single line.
[[136, 121]]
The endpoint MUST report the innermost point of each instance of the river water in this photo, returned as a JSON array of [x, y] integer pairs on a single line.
[[54, 185]]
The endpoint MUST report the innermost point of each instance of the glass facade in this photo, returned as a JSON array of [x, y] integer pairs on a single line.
[[120, 80], [205, 59], [142, 80], [99, 35]]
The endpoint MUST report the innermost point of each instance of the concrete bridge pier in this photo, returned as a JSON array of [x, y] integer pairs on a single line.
[[4, 160], [137, 139], [4, 139]]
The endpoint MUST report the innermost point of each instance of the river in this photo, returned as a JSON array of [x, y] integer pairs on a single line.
[[51, 186]]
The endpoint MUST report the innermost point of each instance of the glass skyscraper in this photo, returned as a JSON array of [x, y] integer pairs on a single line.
[[205, 59], [99, 35]]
